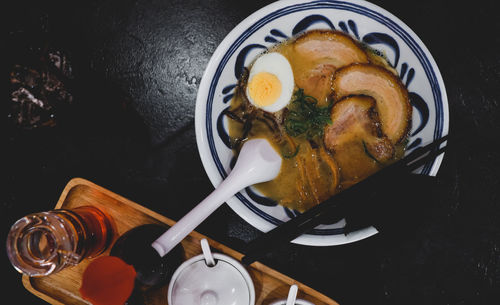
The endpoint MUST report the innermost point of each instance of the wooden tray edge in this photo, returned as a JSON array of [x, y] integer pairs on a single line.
[[43, 296]]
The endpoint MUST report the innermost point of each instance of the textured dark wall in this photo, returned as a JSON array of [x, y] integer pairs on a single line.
[[137, 67]]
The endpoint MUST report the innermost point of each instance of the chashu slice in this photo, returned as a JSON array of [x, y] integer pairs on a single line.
[[316, 56], [393, 104], [329, 47], [317, 82], [355, 138]]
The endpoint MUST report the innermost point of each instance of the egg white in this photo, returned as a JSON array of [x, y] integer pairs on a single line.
[[276, 64]]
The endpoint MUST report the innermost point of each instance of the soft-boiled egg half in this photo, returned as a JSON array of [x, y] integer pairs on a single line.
[[270, 82]]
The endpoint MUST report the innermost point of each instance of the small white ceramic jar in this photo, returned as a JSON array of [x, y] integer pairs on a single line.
[[208, 279]]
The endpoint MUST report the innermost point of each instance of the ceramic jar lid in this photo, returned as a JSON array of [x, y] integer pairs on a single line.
[[211, 280]]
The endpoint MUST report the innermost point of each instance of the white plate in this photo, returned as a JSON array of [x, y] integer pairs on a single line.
[[278, 21]]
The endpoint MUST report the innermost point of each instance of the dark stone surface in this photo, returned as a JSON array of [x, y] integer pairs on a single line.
[[138, 66]]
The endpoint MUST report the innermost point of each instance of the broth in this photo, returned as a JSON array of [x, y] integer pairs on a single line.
[[312, 171]]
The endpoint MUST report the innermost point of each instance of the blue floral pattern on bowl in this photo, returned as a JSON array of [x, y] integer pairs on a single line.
[[367, 23]]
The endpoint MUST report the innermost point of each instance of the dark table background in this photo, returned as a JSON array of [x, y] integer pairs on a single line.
[[131, 129]]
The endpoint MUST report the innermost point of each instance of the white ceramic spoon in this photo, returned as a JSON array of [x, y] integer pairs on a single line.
[[292, 298], [292, 295], [258, 162]]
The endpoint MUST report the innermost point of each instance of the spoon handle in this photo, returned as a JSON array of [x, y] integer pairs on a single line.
[[257, 162], [197, 215], [292, 295]]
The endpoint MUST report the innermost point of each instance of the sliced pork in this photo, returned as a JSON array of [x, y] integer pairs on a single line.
[[355, 138], [315, 57], [393, 104]]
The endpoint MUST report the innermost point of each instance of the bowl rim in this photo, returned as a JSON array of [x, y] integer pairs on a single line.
[[200, 111]]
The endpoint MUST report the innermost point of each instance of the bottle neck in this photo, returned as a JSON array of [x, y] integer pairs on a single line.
[[44, 243], [76, 233]]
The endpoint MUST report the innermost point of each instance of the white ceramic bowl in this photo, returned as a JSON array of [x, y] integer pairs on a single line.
[[283, 19], [228, 282]]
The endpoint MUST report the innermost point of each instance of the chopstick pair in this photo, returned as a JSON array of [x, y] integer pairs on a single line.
[[336, 207]]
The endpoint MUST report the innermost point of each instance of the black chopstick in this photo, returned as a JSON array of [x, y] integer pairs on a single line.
[[336, 205]]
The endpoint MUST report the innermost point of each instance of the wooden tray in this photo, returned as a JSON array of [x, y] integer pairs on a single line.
[[63, 287]]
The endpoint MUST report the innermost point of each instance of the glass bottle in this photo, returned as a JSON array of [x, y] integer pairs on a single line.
[[44, 243], [134, 247]]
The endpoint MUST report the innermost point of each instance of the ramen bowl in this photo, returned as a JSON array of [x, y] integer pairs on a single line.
[[367, 23]]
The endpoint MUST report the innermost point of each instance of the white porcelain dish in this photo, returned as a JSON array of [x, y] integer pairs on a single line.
[[227, 282], [278, 21]]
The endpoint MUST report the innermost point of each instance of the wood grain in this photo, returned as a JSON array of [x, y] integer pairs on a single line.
[[63, 287]]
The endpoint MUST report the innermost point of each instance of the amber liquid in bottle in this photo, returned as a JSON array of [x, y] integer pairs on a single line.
[[44, 243]]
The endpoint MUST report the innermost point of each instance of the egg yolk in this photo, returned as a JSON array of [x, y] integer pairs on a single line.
[[264, 88]]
